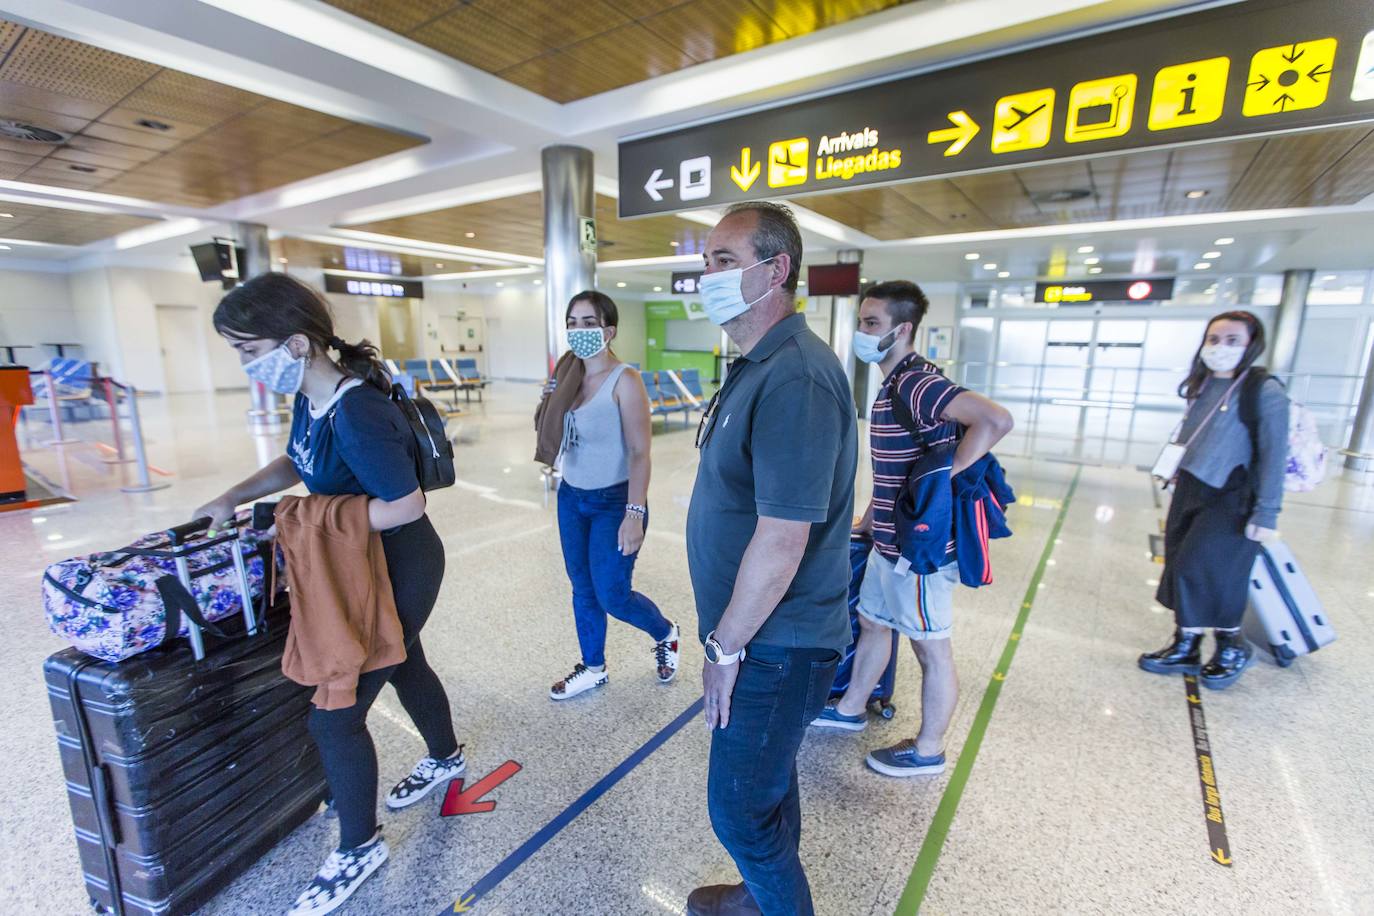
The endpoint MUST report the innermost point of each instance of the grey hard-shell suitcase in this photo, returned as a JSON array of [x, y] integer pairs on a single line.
[[182, 771], [1284, 605]]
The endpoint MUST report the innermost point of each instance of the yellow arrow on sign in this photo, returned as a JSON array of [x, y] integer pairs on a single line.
[[1194, 700], [461, 906], [998, 676], [1221, 857], [965, 129], [745, 175]]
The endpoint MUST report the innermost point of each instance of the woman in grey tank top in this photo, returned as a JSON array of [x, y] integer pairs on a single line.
[[1228, 492], [603, 500]]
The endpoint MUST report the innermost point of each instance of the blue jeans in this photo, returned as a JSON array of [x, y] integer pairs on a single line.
[[589, 527], [752, 787]]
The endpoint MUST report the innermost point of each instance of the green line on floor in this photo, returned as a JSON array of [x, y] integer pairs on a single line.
[[929, 855]]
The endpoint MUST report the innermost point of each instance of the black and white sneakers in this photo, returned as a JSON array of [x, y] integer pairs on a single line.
[[666, 655], [428, 773], [581, 680], [342, 874]]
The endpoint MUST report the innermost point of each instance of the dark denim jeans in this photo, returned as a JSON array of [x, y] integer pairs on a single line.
[[752, 789], [589, 527]]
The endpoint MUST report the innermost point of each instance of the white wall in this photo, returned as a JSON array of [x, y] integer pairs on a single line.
[[37, 307]]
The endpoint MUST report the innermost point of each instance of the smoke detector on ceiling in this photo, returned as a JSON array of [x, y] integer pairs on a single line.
[[19, 130]]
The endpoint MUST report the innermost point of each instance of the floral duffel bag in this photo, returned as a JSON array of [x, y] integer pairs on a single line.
[[175, 583]]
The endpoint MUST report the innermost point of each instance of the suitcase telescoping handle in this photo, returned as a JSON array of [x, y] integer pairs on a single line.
[[178, 536]]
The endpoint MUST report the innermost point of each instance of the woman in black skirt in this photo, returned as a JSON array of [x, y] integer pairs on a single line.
[[1227, 496]]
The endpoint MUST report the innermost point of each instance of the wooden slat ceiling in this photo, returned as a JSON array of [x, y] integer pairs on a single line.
[[1314, 169], [145, 131], [301, 253], [516, 225], [568, 52], [59, 226]]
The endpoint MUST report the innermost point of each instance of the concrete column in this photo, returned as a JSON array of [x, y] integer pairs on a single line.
[[844, 319], [257, 250], [1283, 349], [1359, 453], [569, 260], [267, 409]]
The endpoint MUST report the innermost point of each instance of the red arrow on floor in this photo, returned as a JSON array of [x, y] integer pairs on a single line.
[[460, 801]]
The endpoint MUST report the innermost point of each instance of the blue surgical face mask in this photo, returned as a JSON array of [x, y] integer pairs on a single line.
[[278, 370], [586, 342], [722, 295], [870, 349]]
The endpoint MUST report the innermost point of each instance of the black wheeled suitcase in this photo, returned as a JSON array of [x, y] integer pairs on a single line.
[[880, 702], [1285, 606], [182, 772]]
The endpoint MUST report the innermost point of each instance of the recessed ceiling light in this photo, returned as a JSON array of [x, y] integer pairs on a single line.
[[621, 284], [971, 256], [1195, 194], [470, 235], [1212, 254], [6, 216], [1202, 265], [500, 282], [438, 264], [281, 260], [1225, 241], [1085, 249], [538, 282], [1091, 261], [1094, 270], [674, 244], [658, 289], [989, 266], [1004, 274]]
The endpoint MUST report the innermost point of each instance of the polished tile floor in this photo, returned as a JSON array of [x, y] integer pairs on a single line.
[[1083, 796]]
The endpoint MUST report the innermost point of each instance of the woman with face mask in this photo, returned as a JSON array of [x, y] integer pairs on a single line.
[[1227, 496], [347, 437], [603, 500]]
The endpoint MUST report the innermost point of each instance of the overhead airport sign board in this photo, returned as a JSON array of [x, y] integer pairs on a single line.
[[1105, 291], [1262, 66], [386, 289]]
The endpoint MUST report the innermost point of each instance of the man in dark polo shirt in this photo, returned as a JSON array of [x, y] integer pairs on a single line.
[[768, 547]]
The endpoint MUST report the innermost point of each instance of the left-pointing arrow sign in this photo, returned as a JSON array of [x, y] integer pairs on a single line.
[[657, 183]]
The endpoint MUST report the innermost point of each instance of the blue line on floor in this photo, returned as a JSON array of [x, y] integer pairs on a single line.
[[510, 863]]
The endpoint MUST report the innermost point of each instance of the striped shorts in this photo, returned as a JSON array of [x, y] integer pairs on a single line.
[[921, 607]]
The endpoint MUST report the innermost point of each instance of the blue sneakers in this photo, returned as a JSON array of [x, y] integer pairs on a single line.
[[902, 760], [831, 717]]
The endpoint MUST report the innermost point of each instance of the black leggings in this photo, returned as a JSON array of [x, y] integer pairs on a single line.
[[415, 559]]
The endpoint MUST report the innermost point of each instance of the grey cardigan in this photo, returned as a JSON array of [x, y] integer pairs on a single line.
[[1225, 444]]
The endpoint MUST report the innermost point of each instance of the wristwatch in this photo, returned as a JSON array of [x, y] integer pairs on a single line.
[[717, 655]]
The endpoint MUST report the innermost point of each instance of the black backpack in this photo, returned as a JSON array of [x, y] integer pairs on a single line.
[[433, 451]]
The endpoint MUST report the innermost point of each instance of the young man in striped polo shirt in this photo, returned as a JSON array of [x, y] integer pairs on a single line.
[[918, 606]]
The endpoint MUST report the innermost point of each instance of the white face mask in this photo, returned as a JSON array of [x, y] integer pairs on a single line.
[[278, 370], [1222, 357], [586, 342], [722, 295], [870, 349]]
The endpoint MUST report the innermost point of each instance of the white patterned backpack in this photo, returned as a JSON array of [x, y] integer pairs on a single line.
[[1305, 465]]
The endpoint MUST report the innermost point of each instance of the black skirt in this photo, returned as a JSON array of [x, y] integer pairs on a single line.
[[1207, 557]]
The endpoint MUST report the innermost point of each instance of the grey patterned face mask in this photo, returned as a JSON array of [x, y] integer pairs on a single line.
[[278, 370], [586, 342]]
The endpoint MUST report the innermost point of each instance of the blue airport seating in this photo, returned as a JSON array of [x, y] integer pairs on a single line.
[[664, 401]]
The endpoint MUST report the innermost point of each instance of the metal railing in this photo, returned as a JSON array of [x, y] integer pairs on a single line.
[[1121, 415]]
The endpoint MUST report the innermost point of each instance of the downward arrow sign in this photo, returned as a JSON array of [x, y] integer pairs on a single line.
[[654, 184], [458, 801], [744, 175]]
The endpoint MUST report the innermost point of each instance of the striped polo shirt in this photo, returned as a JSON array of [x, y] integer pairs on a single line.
[[895, 449]]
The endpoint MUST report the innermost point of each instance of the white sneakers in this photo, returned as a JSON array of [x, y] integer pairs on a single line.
[[581, 680], [666, 652]]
